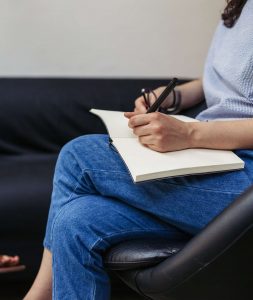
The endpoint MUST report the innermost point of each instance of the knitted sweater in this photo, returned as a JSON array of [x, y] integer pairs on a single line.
[[228, 74]]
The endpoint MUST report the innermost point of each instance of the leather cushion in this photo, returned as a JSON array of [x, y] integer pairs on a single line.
[[141, 253]]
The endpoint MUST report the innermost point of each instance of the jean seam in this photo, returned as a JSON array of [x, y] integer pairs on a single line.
[[126, 174], [69, 199], [101, 170], [78, 184], [61, 212], [101, 173], [92, 277], [204, 189], [102, 238]]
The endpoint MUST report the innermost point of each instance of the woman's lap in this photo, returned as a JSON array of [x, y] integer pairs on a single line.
[[90, 166], [95, 204]]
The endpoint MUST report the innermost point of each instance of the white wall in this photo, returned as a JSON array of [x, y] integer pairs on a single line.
[[112, 38]]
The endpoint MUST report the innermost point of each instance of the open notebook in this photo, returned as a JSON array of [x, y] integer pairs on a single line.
[[146, 164]]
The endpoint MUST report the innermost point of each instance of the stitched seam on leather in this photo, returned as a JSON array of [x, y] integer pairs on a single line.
[[137, 263]]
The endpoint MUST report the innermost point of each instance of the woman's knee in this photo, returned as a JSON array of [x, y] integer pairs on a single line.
[[78, 144], [71, 226], [77, 151], [82, 223]]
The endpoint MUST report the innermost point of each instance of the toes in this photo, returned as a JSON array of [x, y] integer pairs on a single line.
[[6, 260]]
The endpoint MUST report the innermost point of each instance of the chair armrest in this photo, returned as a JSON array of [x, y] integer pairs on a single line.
[[218, 236]]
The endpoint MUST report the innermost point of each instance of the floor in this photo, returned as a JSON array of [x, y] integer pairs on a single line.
[[17, 291], [13, 286]]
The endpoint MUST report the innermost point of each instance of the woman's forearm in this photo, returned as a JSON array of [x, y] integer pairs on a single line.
[[191, 93], [228, 135]]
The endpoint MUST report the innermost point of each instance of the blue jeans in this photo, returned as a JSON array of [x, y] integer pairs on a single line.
[[95, 205]]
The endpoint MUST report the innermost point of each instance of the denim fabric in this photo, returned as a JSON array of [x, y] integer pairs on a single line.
[[95, 204]]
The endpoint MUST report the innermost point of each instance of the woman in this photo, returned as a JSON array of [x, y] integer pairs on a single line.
[[94, 202]]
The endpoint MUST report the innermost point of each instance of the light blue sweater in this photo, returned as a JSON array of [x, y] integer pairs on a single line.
[[228, 74]]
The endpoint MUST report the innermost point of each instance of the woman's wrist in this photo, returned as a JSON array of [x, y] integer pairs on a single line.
[[172, 104], [194, 134], [226, 135], [175, 107]]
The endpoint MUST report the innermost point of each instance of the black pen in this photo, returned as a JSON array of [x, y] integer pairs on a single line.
[[163, 96], [143, 92]]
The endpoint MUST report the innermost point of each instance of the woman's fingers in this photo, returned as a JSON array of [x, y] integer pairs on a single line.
[[139, 120], [129, 114], [140, 105]]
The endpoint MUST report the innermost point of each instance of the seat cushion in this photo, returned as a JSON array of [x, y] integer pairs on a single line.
[[141, 253]]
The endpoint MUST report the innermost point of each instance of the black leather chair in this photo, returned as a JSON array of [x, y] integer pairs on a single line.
[[216, 264]]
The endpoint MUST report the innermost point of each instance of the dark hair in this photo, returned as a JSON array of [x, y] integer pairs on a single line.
[[232, 12]]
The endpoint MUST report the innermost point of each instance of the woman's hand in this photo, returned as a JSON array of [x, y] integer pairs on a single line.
[[160, 132], [141, 106]]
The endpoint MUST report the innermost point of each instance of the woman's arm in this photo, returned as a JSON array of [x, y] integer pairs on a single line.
[[222, 134], [191, 93], [164, 133]]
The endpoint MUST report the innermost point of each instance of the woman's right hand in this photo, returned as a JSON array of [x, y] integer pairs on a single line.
[[191, 92]]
